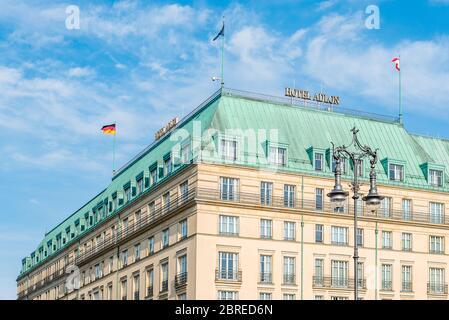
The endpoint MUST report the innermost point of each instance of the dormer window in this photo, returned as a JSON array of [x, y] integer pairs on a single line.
[[435, 178], [167, 166], [127, 194], [319, 161], [228, 148], [396, 172], [278, 156]]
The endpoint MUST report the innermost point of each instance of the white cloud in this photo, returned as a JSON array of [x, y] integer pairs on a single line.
[[79, 72]]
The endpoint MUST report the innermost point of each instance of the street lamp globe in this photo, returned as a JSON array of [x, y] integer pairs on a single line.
[[337, 197], [372, 200]]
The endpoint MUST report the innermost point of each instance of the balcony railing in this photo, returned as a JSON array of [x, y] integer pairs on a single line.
[[289, 279], [164, 286], [337, 282], [310, 204], [436, 288], [180, 279], [407, 286], [228, 275], [265, 277], [386, 285], [149, 292]]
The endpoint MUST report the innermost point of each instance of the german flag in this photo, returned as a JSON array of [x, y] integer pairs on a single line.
[[109, 129]]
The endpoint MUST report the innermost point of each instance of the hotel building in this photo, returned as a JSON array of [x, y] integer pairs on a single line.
[[230, 203]]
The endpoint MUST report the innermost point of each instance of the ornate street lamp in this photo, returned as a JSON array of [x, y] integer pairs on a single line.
[[338, 195]]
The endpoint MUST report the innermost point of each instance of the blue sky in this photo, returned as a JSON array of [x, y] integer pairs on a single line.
[[141, 63]]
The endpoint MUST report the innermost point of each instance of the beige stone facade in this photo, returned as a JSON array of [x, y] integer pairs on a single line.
[[245, 243]]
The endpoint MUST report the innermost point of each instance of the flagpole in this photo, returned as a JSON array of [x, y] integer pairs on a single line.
[[222, 57], [113, 151], [400, 91]]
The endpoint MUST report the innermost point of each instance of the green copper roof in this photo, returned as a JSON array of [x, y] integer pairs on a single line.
[[299, 129]]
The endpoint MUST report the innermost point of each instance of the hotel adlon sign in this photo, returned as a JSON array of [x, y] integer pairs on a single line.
[[305, 95]]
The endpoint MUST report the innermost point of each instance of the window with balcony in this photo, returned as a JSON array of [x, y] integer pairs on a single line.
[[436, 244], [265, 269], [124, 289], [385, 208], [406, 241], [436, 212], [396, 172], [166, 202], [387, 240], [406, 285], [266, 193], [184, 191], [149, 282], [386, 271], [164, 277], [289, 270], [359, 237], [289, 196], [227, 266], [318, 278], [228, 225], [339, 273], [228, 188], [289, 230], [136, 287], [278, 156], [124, 258], [137, 252], [266, 228], [406, 209], [436, 283], [339, 235], [181, 276]]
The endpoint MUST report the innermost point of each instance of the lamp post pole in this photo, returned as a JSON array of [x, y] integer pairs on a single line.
[[338, 195]]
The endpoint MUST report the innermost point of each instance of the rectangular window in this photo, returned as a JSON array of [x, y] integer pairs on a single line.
[[406, 285], [318, 278], [436, 281], [124, 289], [150, 246], [396, 172], [185, 154], [359, 237], [289, 270], [361, 274], [228, 149], [111, 265], [151, 210], [183, 229], [165, 238], [168, 167], [406, 242], [137, 252], [436, 178], [319, 198], [182, 266], [266, 228], [153, 176], [228, 188], [289, 196], [289, 230], [127, 194], [387, 240], [339, 235], [319, 233], [227, 265], [318, 161], [139, 186], [124, 258], [436, 244], [166, 202], [184, 191], [265, 296], [278, 156], [436, 212], [136, 287], [164, 277], [406, 209], [385, 208], [265, 269], [339, 273], [288, 296], [150, 282], [266, 193], [387, 283], [228, 225], [98, 271], [227, 295]]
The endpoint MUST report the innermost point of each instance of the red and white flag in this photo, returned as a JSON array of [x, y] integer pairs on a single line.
[[397, 64]]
